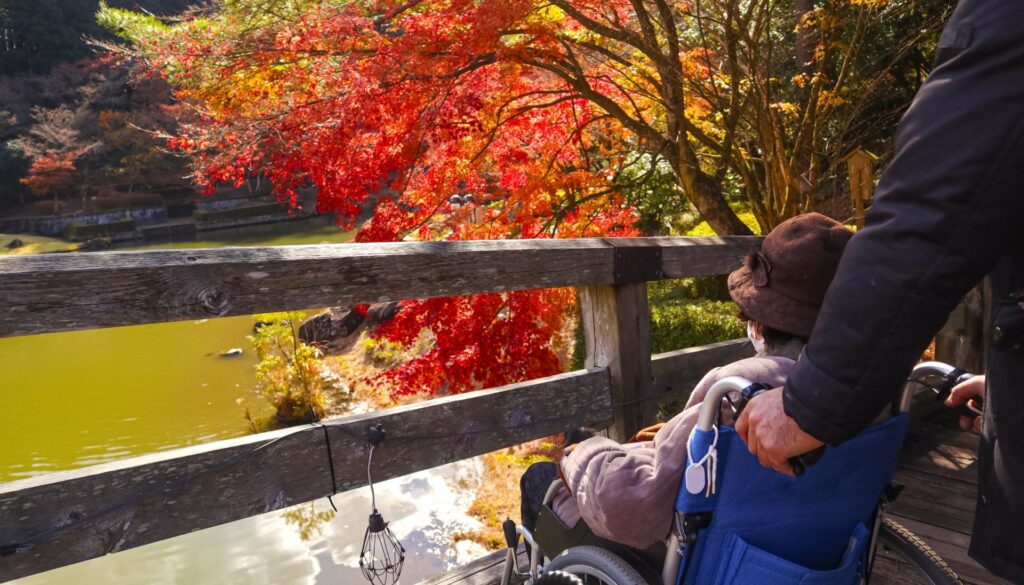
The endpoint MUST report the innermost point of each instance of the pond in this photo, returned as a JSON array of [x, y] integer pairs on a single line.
[[86, 397]]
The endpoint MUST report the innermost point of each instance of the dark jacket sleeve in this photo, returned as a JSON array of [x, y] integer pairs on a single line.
[[946, 208]]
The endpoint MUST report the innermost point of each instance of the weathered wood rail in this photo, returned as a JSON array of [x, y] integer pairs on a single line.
[[68, 517]]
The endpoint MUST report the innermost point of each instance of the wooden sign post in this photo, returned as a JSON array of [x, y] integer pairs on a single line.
[[860, 166]]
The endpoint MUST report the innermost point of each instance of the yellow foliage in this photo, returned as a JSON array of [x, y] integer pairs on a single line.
[[747, 217], [787, 108]]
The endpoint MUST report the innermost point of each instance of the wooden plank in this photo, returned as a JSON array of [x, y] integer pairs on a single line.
[[677, 372], [681, 257], [617, 328], [63, 292], [952, 547], [938, 468], [59, 292], [125, 504], [941, 450], [940, 501], [891, 569]]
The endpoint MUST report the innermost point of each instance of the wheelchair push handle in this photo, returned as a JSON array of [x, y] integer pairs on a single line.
[[711, 408], [940, 378], [800, 463]]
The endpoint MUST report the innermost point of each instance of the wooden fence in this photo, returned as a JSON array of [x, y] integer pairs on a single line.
[[68, 517]]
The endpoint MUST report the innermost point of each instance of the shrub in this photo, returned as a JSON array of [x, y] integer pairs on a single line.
[[686, 322], [291, 375], [87, 231], [383, 353], [50, 206], [115, 200], [682, 316], [715, 288]]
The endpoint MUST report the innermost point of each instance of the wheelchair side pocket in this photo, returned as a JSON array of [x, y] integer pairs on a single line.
[[744, 564]]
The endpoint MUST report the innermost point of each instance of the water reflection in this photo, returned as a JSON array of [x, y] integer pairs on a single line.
[[320, 549]]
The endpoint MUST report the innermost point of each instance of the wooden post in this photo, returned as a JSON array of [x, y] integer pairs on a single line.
[[963, 341], [860, 166], [617, 326]]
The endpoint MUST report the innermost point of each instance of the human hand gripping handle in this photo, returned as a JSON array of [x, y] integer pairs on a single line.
[[771, 435], [968, 397]]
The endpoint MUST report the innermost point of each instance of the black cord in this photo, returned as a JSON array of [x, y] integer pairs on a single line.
[[330, 456], [330, 461]]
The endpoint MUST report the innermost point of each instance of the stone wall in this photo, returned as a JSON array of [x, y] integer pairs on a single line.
[[54, 226], [221, 204]]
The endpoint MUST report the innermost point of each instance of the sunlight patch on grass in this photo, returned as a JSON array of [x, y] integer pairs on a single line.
[[34, 245]]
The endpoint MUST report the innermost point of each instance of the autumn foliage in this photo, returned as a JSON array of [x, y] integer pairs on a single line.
[[544, 112]]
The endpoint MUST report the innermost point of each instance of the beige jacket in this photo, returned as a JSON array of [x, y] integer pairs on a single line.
[[627, 493]]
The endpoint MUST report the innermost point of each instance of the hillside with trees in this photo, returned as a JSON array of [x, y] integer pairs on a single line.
[[78, 130]]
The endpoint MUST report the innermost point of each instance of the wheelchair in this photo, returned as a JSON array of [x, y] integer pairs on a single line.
[[736, 522]]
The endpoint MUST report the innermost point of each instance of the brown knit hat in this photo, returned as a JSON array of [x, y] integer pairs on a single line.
[[783, 284]]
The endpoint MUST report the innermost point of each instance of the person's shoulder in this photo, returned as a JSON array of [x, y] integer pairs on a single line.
[[772, 370]]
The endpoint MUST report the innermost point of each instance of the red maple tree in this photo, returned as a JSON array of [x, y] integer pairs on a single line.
[[397, 107]]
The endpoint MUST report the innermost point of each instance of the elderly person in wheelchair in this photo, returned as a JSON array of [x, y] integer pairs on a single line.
[[684, 502]]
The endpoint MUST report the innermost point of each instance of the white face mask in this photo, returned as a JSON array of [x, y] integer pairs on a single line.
[[755, 339]]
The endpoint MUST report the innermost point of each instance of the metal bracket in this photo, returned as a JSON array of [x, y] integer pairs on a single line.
[[637, 264]]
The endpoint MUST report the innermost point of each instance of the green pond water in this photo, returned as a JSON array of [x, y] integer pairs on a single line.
[[75, 399], [86, 397]]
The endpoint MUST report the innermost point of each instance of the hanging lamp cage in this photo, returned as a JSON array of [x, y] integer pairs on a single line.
[[382, 555]]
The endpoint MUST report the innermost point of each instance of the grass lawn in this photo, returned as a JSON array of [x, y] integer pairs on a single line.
[[34, 245]]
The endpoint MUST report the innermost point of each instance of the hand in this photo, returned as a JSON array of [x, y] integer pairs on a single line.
[[771, 435], [962, 394], [646, 434]]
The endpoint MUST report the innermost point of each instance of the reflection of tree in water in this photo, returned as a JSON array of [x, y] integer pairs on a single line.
[[308, 520]]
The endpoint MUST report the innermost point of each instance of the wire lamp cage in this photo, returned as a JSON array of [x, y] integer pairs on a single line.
[[382, 555]]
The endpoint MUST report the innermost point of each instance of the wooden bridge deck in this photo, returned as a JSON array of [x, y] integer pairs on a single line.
[[939, 472]]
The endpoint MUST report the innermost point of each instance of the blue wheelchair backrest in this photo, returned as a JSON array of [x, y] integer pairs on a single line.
[[768, 528]]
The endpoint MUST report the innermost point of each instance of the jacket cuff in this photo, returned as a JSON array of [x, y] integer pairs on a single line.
[[806, 398]]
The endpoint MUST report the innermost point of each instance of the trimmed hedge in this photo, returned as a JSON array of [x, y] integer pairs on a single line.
[[692, 311], [86, 231], [692, 322], [238, 212], [683, 315]]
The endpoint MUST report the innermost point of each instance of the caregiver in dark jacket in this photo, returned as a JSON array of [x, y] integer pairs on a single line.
[[949, 209]]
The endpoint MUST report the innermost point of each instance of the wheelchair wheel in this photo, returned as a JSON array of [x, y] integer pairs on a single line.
[[558, 578], [928, 566], [596, 566]]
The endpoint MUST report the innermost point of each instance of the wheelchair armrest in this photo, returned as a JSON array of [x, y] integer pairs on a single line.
[[549, 495]]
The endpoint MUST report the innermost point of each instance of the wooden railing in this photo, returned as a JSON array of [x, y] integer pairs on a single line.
[[67, 517]]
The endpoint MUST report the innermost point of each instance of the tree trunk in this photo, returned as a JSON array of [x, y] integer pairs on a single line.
[[709, 200], [804, 43]]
